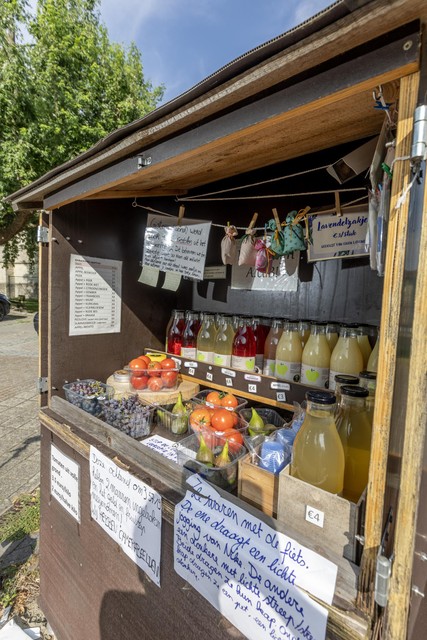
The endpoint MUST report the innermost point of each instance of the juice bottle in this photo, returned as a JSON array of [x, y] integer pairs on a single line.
[[206, 339], [364, 346], [175, 332], [318, 455], [304, 331], [315, 358], [223, 345], [346, 357], [355, 432], [259, 334], [244, 347], [373, 358], [189, 337], [332, 331], [288, 353], [270, 347], [368, 380], [340, 380]]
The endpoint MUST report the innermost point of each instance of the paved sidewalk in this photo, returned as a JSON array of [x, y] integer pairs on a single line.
[[19, 424]]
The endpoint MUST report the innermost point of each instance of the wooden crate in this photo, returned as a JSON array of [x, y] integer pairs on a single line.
[[257, 486], [329, 521]]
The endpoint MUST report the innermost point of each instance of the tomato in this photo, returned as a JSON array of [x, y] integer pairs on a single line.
[[155, 384], [229, 401], [214, 397], [154, 369], [137, 364], [235, 439], [200, 418], [168, 363], [222, 420], [146, 359], [169, 378], [139, 381]]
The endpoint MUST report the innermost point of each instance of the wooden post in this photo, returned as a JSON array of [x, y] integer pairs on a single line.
[[390, 314]]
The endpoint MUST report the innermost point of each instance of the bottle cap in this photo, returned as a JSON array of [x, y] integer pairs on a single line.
[[121, 375], [321, 397], [354, 391], [368, 375], [342, 378]]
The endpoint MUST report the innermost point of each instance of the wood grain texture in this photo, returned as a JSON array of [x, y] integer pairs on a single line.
[[257, 486], [393, 279]]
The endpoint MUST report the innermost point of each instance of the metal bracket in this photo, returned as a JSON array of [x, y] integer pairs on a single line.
[[419, 138], [383, 567], [42, 384], [42, 235], [144, 161]]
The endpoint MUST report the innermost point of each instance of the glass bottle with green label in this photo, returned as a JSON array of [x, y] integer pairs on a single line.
[[206, 339], [315, 358], [270, 347], [288, 353], [346, 356], [223, 345], [244, 347]]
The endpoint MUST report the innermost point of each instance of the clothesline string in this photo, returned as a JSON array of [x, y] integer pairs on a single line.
[[269, 196]]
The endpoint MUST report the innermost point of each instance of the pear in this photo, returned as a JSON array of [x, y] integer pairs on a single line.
[[204, 454], [223, 458], [180, 419], [256, 423]]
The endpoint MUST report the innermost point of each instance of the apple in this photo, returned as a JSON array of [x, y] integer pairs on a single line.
[[282, 369], [311, 375]]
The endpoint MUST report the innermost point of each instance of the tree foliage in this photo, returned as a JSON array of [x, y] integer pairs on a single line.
[[62, 88]]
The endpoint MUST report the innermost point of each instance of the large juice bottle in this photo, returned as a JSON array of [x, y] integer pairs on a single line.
[[315, 358], [373, 358], [332, 332], [206, 339], [244, 346], [340, 380], [259, 333], [270, 346], [223, 345], [175, 332], [368, 380], [189, 337], [355, 432], [304, 331], [364, 345], [318, 455], [288, 353], [346, 357]]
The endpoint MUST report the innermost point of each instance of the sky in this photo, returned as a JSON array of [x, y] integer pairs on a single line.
[[184, 41]]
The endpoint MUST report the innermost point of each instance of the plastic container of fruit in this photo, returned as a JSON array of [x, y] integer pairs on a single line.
[[225, 476], [129, 414], [269, 416], [177, 424], [154, 379], [204, 398], [88, 394]]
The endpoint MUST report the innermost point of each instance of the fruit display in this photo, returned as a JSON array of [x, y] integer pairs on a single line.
[[86, 394], [261, 421], [220, 399], [175, 420], [153, 373], [213, 423], [130, 415], [214, 458]]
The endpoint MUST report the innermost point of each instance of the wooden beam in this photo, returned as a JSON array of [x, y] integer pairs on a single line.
[[136, 193]]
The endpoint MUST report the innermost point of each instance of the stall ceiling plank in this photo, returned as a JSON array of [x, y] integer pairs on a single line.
[[386, 64], [136, 193]]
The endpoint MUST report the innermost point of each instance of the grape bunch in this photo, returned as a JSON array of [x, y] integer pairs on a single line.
[[129, 415], [88, 388], [86, 393]]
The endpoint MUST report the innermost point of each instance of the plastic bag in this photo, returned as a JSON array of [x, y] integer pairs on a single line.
[[274, 455]]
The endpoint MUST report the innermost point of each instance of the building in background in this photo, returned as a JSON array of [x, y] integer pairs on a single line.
[[19, 280]]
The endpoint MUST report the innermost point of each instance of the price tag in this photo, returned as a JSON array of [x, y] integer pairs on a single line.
[[314, 516], [252, 378], [191, 371], [229, 382], [280, 386], [193, 365], [209, 376], [281, 396], [229, 372], [252, 388], [178, 361]]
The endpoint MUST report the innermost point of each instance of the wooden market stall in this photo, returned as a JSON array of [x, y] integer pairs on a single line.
[[260, 130]]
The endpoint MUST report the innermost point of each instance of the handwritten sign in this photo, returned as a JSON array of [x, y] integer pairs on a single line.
[[163, 446], [337, 236], [128, 510], [180, 249], [283, 277], [64, 481], [248, 571]]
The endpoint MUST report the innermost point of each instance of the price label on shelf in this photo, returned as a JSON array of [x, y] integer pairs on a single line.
[[209, 376], [191, 371], [192, 365], [229, 382], [314, 516], [252, 388], [252, 378], [281, 396], [282, 386], [228, 372]]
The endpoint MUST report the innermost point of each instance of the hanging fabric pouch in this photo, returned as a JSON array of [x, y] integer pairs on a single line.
[[264, 257], [248, 253], [289, 239], [229, 245]]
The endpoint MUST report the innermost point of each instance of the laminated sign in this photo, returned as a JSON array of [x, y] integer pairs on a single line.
[[176, 248], [333, 237]]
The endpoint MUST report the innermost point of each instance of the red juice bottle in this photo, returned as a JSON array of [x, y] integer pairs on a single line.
[[244, 347], [174, 335], [260, 335], [189, 337]]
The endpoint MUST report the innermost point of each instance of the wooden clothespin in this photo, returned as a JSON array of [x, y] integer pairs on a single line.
[[300, 215], [252, 222], [181, 214], [277, 221], [338, 204]]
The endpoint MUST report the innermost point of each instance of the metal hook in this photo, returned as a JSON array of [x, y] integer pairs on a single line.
[[134, 203]]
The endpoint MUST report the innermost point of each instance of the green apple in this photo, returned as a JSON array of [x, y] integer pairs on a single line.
[[201, 357], [249, 365], [311, 375], [282, 369]]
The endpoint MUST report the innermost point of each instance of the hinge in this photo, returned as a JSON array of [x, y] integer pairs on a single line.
[[144, 161], [42, 384], [383, 568], [42, 235], [419, 136]]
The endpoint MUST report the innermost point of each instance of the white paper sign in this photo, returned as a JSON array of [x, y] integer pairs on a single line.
[[248, 571], [284, 276], [95, 295], [65, 481], [128, 510], [163, 446], [337, 236], [180, 249]]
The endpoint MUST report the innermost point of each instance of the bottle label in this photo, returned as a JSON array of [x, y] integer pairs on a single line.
[[259, 361], [288, 370], [205, 356], [222, 360], [188, 352], [315, 376], [269, 368], [332, 383], [239, 362]]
